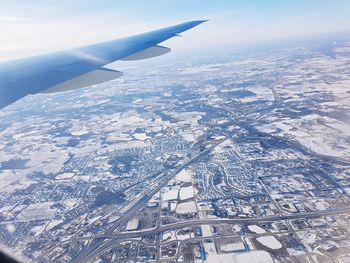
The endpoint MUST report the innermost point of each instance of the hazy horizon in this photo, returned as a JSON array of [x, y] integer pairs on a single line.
[[43, 26]]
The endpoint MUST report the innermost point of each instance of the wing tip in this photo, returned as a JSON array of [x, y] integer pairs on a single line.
[[198, 22], [186, 26], [202, 21]]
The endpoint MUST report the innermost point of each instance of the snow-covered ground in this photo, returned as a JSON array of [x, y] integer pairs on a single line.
[[246, 257], [256, 229], [38, 211], [186, 208], [187, 192], [322, 135], [171, 194], [270, 242], [64, 176]]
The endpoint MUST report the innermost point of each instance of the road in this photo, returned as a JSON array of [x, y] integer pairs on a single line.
[[96, 246], [193, 223]]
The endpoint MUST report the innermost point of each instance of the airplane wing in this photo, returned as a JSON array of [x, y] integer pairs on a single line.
[[80, 67]]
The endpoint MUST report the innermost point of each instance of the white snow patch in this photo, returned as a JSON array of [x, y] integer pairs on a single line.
[[37, 211], [186, 192], [257, 256], [185, 175], [79, 133], [186, 208], [256, 229], [270, 242], [206, 231], [64, 176], [171, 194], [141, 136]]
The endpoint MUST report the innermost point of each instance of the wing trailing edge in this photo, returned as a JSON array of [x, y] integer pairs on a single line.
[[88, 79], [150, 52]]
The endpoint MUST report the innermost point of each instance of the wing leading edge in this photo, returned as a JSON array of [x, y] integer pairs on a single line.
[[80, 67]]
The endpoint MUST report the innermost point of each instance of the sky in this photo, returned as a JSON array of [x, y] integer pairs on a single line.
[[40, 26]]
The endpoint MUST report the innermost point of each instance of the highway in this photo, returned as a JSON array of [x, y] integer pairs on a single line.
[[96, 245], [193, 223]]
